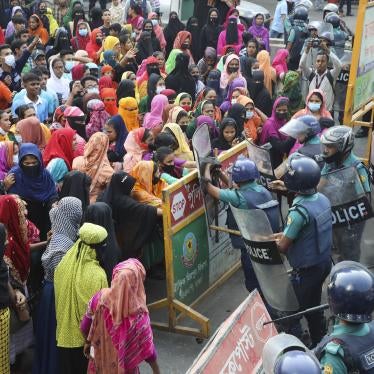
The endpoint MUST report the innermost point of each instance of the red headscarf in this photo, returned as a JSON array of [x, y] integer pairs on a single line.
[[109, 97], [60, 146], [80, 42], [17, 251], [92, 47], [105, 82], [78, 71]]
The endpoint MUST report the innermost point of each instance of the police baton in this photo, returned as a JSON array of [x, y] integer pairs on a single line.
[[299, 314]]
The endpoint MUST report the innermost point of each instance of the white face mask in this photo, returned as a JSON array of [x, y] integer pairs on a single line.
[[10, 60], [154, 22], [159, 89], [15, 159], [233, 101], [93, 90], [18, 138]]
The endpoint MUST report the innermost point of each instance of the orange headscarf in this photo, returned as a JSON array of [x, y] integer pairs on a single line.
[[128, 110], [250, 125], [31, 131], [144, 190], [40, 31], [263, 59]]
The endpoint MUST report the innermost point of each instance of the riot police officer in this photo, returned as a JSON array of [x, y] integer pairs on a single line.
[[340, 36], [307, 239], [337, 144], [286, 354], [305, 130], [349, 347], [248, 195]]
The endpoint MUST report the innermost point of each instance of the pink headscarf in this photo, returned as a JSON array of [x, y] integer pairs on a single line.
[[225, 75], [154, 117], [98, 117], [280, 61], [158, 31]]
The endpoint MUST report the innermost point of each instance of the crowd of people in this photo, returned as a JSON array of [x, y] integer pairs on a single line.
[[97, 115]]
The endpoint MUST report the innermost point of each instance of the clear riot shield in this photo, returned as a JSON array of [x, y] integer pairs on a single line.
[[339, 43], [270, 267], [261, 157], [349, 202]]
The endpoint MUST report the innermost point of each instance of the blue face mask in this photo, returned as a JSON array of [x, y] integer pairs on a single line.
[[83, 32], [249, 114], [69, 65], [314, 107]]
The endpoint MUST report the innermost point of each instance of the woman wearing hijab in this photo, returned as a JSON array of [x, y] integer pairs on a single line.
[[231, 71], [233, 35], [236, 88], [100, 214], [128, 113], [109, 98], [270, 76], [280, 144], [148, 26], [94, 46], [57, 83], [134, 222], [228, 135], [157, 29], [8, 157], [260, 32], [111, 43], [171, 30], [153, 120], [183, 151], [144, 47], [201, 120], [117, 312], [76, 120], [183, 42], [180, 79], [31, 132], [151, 66], [61, 43], [207, 63], [17, 11], [259, 93], [36, 29], [280, 63], [95, 164], [210, 32], [76, 184], [59, 154], [79, 71], [315, 105], [97, 117], [34, 184], [193, 29], [82, 36], [136, 146], [291, 90], [178, 115], [170, 62], [65, 219], [115, 130], [156, 84], [78, 276], [125, 89], [209, 94], [238, 113]]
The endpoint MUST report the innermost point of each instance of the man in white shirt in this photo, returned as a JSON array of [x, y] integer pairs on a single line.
[[280, 14]]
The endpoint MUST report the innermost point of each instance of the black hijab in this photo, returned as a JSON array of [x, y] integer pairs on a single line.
[[211, 30], [4, 277], [76, 184], [193, 28], [101, 214], [151, 89], [232, 35], [126, 88], [134, 222], [237, 112], [171, 30], [221, 142], [259, 94]]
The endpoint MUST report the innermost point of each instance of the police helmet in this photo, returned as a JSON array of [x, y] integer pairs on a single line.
[[244, 170], [301, 13], [305, 125], [328, 36], [351, 292], [334, 19], [339, 136], [297, 362], [330, 8], [303, 174]]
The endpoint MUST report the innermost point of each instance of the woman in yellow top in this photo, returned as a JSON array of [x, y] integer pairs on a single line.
[[183, 151]]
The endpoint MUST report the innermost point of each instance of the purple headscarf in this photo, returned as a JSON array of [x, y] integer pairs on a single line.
[[260, 33], [4, 166], [213, 130], [239, 82], [273, 124]]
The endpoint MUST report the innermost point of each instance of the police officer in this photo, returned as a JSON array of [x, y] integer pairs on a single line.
[[307, 239], [349, 347], [305, 130], [297, 36], [340, 36], [286, 354], [248, 195], [337, 144]]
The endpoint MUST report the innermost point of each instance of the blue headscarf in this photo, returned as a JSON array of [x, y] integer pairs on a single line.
[[108, 58], [121, 132], [38, 188]]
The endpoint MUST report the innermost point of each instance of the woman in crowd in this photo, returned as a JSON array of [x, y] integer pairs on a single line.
[[184, 100], [78, 276], [31, 131], [238, 113], [36, 28], [109, 98], [251, 50], [231, 71], [117, 313], [59, 153], [193, 28], [207, 63], [231, 36], [94, 46], [178, 115], [128, 113], [315, 105], [153, 120], [228, 135], [57, 83], [263, 58], [76, 120], [95, 164], [291, 90], [280, 63], [5, 127], [137, 146], [171, 30], [145, 46], [82, 36], [125, 89], [157, 29], [8, 157], [111, 44], [280, 144], [234, 90], [65, 220], [97, 116], [205, 109], [210, 32], [156, 84], [260, 32], [61, 43], [259, 93], [209, 94], [183, 42], [116, 134], [183, 151]]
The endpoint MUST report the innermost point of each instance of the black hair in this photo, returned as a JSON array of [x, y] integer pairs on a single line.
[[88, 78], [116, 27], [71, 84], [30, 77], [4, 46], [19, 20], [20, 111], [164, 139], [145, 135], [40, 70], [206, 103], [181, 114], [17, 44], [105, 10], [136, 8], [57, 59], [65, 52], [123, 37], [161, 153], [321, 52]]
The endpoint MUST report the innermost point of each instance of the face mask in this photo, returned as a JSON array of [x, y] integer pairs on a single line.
[[281, 115], [214, 20], [69, 65], [10, 60], [314, 107], [133, 35], [159, 89], [83, 32], [30, 171], [185, 46], [154, 22], [18, 138], [152, 147], [232, 70], [99, 41], [196, 78], [249, 114], [168, 168], [43, 11], [153, 69], [187, 108], [93, 90], [233, 101], [15, 159], [334, 158]]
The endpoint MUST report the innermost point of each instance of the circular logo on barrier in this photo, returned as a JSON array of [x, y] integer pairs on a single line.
[[259, 315], [189, 250]]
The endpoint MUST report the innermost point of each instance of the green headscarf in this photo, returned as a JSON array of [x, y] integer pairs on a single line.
[[292, 90], [77, 278], [170, 62]]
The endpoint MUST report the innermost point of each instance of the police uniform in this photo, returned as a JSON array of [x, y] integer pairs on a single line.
[[309, 226], [250, 195], [347, 239], [348, 349], [297, 37], [311, 148]]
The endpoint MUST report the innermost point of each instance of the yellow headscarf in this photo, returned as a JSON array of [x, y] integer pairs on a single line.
[[183, 151], [109, 43], [128, 110]]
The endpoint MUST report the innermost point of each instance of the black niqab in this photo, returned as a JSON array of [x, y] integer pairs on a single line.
[[237, 112], [126, 88], [232, 35]]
